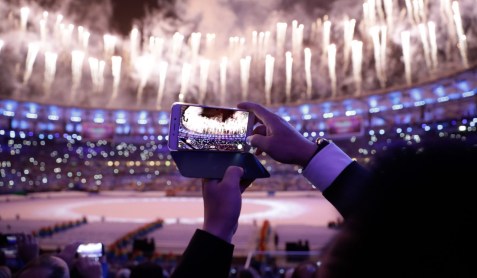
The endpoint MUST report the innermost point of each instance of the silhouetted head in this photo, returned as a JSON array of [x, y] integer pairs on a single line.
[[304, 270], [45, 266], [418, 219], [147, 270]]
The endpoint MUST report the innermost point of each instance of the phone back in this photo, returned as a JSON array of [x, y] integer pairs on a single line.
[[212, 164]]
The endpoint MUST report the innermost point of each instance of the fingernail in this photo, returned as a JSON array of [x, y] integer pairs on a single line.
[[240, 169], [248, 140]]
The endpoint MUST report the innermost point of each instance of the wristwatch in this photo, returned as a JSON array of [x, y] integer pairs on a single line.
[[321, 143]]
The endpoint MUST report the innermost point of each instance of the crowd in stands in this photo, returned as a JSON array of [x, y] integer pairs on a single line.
[[58, 163], [416, 187]]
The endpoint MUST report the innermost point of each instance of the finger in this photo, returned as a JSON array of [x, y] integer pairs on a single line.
[[209, 182], [244, 184], [261, 112], [72, 247], [209, 187], [261, 129], [243, 105], [258, 141], [232, 175]]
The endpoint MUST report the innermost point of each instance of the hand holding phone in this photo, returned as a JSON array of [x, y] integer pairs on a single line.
[[9, 248], [9, 245], [213, 164], [205, 140]]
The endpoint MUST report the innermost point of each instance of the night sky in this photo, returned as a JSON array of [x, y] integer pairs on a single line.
[[126, 12], [119, 16]]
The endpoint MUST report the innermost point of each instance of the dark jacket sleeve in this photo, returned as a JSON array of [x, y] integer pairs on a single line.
[[350, 189], [205, 256]]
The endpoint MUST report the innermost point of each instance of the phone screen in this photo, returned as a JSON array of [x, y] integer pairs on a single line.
[[212, 128], [8, 244], [92, 250], [9, 247]]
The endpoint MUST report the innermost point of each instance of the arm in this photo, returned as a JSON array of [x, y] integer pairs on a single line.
[[342, 180], [333, 172], [206, 256], [209, 253], [68, 253], [28, 248], [87, 267]]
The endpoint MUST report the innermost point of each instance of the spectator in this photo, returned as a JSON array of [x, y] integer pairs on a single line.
[[123, 273], [395, 213], [276, 240], [45, 266], [86, 267], [68, 253], [418, 220], [61, 265], [25, 248], [28, 247], [305, 270], [147, 270], [209, 253], [247, 273], [5, 272], [3, 258]]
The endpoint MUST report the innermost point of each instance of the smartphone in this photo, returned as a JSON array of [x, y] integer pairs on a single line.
[[8, 244], [9, 247], [213, 164], [92, 250], [209, 128]]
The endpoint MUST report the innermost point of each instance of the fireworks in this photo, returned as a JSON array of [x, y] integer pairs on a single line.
[[249, 67]]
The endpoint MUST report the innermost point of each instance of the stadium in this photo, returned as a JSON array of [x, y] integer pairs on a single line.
[[84, 113]]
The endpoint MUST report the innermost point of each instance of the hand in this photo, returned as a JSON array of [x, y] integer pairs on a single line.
[[88, 267], [278, 138], [223, 202], [28, 247], [68, 253]]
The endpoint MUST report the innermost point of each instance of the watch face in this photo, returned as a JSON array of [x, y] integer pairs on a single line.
[[321, 142]]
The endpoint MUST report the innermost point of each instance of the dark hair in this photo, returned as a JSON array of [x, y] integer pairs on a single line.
[[147, 270], [247, 273], [47, 261], [418, 219]]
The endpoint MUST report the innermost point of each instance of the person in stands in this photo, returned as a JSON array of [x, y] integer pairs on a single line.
[[410, 213], [62, 265]]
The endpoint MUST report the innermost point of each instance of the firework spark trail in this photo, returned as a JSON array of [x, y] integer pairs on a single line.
[[56, 34], [33, 49], [50, 71]]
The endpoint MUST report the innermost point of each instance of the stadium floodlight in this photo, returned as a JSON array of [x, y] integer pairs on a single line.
[[120, 121], [53, 117], [350, 113], [31, 115], [75, 119], [8, 113], [443, 99], [397, 107], [419, 103]]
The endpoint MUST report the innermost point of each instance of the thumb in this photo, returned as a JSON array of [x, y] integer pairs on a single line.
[[232, 175], [257, 141]]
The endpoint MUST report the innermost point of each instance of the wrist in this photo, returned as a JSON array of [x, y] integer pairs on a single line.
[[224, 234], [319, 144]]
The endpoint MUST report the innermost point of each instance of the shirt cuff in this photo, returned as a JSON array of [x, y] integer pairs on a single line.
[[326, 166]]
